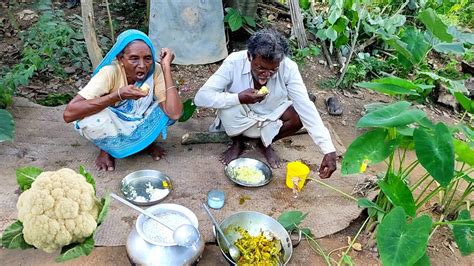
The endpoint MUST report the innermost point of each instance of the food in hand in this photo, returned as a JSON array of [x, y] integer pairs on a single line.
[[145, 88], [263, 90], [263, 249]]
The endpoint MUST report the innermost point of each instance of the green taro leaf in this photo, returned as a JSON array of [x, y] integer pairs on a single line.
[[12, 237], [464, 152], [366, 203], [424, 261], [464, 234], [235, 21], [7, 126], [465, 102], [398, 194], [188, 110], [105, 202], [394, 115], [25, 176], [75, 250], [331, 34], [435, 25], [391, 86], [250, 21], [454, 47], [87, 175], [291, 219], [435, 152], [400, 243], [371, 147]]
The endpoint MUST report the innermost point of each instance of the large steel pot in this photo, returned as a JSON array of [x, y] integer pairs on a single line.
[[144, 251], [254, 222]]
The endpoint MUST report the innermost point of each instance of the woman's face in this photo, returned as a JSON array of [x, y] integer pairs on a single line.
[[137, 61]]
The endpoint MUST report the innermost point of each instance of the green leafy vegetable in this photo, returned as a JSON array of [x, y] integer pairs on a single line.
[[105, 202], [393, 115], [77, 250], [25, 176], [291, 219], [12, 237], [188, 110], [369, 148], [7, 126], [400, 243], [464, 234], [87, 175], [366, 203], [398, 193], [435, 152]]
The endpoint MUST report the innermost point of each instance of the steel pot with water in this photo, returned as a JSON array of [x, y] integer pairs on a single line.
[[150, 244]]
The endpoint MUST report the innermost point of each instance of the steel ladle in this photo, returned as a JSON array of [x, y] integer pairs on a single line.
[[185, 235], [233, 250]]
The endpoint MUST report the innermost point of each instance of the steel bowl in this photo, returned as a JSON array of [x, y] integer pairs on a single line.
[[135, 185], [267, 172], [254, 223]]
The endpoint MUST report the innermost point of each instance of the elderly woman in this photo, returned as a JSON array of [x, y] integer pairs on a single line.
[[129, 101]]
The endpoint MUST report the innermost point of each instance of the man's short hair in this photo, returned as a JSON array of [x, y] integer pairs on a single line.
[[269, 44]]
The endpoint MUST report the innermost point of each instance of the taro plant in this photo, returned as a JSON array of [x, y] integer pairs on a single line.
[[236, 20], [402, 210]]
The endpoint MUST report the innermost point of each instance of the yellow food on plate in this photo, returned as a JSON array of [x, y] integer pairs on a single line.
[[263, 249], [247, 174], [263, 90], [145, 88]]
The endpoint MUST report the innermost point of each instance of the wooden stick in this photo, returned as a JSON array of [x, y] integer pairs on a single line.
[[298, 26]]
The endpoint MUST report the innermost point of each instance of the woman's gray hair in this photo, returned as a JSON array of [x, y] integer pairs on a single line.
[[269, 44]]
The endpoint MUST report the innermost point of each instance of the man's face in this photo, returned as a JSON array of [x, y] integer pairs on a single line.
[[137, 61], [262, 69]]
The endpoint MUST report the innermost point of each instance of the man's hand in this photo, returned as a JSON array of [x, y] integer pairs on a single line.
[[328, 165], [250, 96]]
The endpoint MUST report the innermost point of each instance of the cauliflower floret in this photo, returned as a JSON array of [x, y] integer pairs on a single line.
[[60, 208]]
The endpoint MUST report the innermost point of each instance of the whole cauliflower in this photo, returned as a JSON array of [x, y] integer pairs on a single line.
[[60, 208]]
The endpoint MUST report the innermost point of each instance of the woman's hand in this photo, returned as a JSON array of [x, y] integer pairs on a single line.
[[130, 92], [166, 56]]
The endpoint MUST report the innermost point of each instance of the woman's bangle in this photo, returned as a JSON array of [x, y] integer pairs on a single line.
[[170, 88], [120, 97]]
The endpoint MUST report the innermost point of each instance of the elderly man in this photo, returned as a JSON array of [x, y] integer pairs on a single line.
[[247, 112]]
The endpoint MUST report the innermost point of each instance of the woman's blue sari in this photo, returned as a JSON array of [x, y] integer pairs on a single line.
[[131, 125]]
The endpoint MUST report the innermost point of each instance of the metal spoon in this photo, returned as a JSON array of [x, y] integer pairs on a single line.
[[233, 250], [185, 235]]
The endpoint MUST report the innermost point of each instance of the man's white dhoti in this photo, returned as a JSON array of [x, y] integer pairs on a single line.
[[241, 120]]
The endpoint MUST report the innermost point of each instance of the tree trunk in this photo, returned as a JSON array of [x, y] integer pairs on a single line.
[[88, 29], [297, 21]]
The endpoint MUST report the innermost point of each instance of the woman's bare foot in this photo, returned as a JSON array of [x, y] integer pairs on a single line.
[[105, 162], [272, 158], [156, 152], [233, 151]]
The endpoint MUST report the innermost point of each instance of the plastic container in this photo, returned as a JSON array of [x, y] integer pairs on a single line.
[[216, 199], [296, 171]]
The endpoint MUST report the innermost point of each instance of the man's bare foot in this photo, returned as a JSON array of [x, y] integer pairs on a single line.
[[105, 162], [233, 151], [272, 158], [155, 151]]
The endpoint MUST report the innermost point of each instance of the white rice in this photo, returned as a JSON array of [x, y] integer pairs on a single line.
[[159, 233]]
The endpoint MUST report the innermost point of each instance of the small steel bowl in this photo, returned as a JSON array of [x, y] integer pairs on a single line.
[[267, 172], [134, 187]]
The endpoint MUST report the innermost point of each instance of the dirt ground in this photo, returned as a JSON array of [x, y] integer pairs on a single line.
[[441, 249]]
